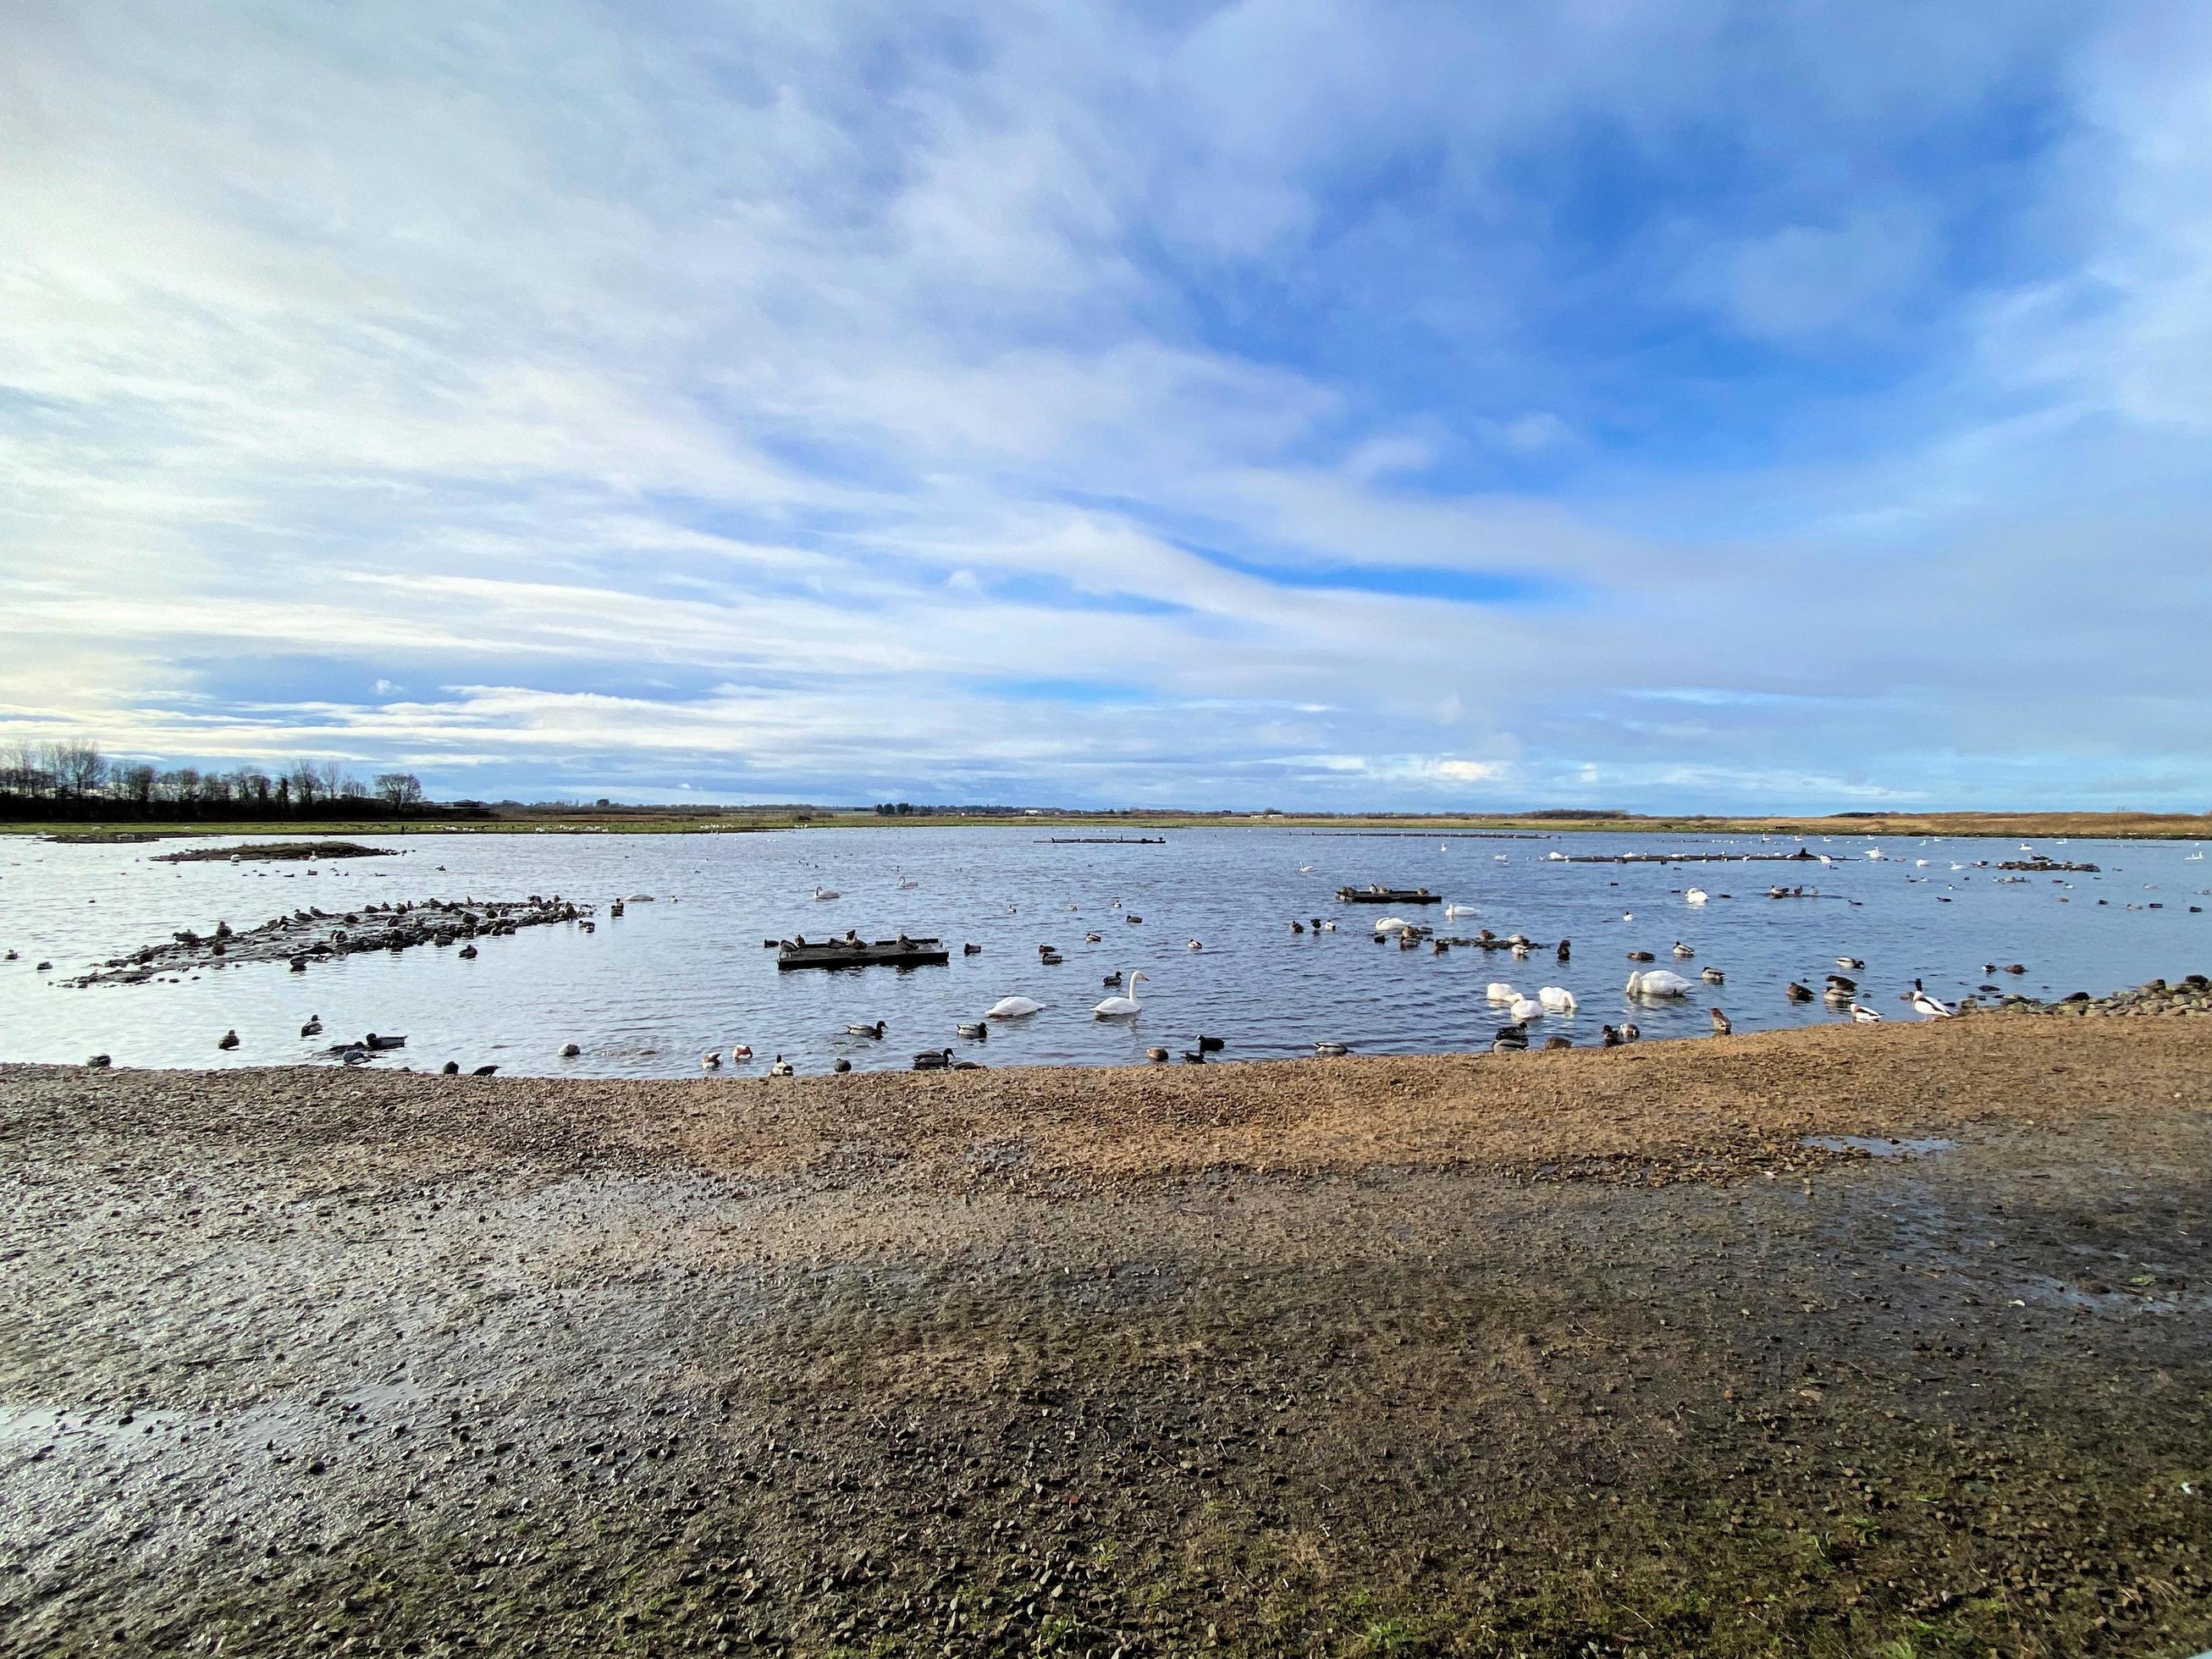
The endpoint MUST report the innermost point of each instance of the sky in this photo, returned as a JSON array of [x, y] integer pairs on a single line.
[[1665, 404]]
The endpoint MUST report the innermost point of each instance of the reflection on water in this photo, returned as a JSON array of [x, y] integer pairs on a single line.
[[646, 994]]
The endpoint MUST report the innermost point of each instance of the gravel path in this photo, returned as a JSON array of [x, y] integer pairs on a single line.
[[1550, 1353]]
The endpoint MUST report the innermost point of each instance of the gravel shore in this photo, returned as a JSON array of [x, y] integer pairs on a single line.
[[1805, 1342]]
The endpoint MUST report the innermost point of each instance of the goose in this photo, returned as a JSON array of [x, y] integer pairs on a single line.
[[1658, 983], [1509, 1039], [710, 1062], [826, 893], [933, 1060], [1854, 964], [1865, 1016], [1331, 1050], [1682, 951], [780, 1067], [1922, 1003], [1696, 895], [1712, 975], [1501, 992], [229, 1040], [740, 1053], [1797, 992], [314, 1027], [1523, 1010], [875, 1031], [840, 1064], [975, 1031], [1556, 999], [1121, 1007], [1721, 1026], [1013, 1008]]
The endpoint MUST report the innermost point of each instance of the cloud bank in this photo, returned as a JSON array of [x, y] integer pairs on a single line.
[[1276, 403]]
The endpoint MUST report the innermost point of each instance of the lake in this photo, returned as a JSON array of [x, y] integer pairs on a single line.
[[646, 994]]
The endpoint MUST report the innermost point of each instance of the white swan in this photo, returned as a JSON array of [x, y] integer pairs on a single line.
[[1501, 992], [1658, 982], [1696, 895], [1393, 924], [1121, 1007], [1524, 1010], [1013, 1008], [826, 893], [1462, 911], [1556, 999]]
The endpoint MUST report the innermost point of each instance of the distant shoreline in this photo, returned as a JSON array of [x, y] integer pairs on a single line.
[[2098, 826]]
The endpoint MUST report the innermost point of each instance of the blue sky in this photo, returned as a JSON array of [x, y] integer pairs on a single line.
[[1688, 406]]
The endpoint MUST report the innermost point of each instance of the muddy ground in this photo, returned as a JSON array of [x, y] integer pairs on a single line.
[[1548, 1353]]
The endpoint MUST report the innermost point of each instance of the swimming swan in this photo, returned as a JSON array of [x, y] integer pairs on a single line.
[[1658, 982], [1523, 1010], [1121, 1007], [1557, 999], [1462, 911], [1013, 1008], [1501, 992]]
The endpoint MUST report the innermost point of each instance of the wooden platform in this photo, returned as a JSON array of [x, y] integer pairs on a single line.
[[861, 953], [1388, 895]]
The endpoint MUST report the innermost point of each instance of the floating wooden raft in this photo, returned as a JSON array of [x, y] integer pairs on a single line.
[[1104, 841], [1388, 895], [858, 953]]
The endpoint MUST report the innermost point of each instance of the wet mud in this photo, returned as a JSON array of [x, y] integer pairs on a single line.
[[1553, 1353]]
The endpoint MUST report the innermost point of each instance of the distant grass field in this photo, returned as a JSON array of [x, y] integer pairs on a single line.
[[2042, 826]]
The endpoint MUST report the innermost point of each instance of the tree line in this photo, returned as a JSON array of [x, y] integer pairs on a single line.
[[73, 779]]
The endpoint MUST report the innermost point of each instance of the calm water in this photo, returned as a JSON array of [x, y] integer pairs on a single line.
[[647, 995]]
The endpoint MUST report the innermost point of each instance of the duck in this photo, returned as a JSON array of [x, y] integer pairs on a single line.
[[483, 1071], [740, 1053], [1094, 939], [1922, 1003], [1566, 950], [1111, 981], [1013, 1008], [1608, 1038], [229, 1040], [1557, 999], [971, 950], [1049, 958], [1854, 964], [1559, 1042], [1499, 991], [1121, 1007], [1721, 1026], [876, 1031], [451, 1068], [1631, 1033], [1712, 975], [1864, 1016], [1298, 928], [568, 1050], [1133, 920], [974, 1031], [1510, 1039], [1797, 992], [1193, 1057], [1212, 1045], [1191, 944], [314, 1027], [780, 1067], [1843, 983], [840, 1065], [1682, 951], [1331, 1050], [710, 1062], [933, 1060], [1641, 956], [1157, 1056], [1658, 983]]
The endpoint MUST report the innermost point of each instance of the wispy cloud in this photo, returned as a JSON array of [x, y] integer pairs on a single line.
[[1699, 404]]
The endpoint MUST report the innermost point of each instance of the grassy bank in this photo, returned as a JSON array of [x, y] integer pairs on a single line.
[[2032, 826]]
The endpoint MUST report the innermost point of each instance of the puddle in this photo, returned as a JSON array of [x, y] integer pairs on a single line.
[[1880, 1145]]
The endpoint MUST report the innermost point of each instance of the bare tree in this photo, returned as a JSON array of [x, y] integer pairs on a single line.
[[398, 790], [78, 767]]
